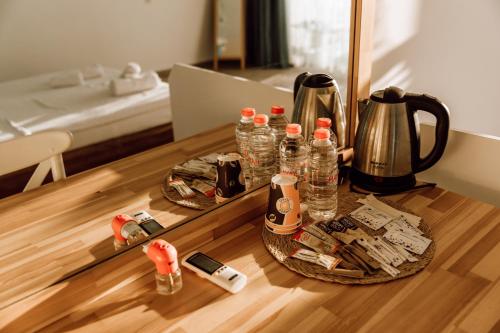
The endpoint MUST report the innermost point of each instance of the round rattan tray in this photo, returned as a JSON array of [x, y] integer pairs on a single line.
[[281, 246]]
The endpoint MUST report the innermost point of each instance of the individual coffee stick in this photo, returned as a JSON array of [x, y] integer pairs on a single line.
[[316, 230], [200, 186], [324, 260], [398, 259], [315, 243], [346, 255], [182, 188], [385, 267], [361, 253], [353, 273]]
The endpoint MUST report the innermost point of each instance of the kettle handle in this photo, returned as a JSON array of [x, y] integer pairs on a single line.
[[432, 105], [298, 82]]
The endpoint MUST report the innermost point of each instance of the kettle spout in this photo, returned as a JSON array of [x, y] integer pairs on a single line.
[[362, 106]]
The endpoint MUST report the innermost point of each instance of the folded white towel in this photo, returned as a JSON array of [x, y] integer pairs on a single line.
[[67, 79], [93, 72], [124, 86], [132, 70]]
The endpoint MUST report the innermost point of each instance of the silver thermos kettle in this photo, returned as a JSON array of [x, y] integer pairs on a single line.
[[318, 96], [387, 143]]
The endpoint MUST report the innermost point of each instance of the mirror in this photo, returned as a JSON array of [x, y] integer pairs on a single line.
[[229, 31], [75, 76]]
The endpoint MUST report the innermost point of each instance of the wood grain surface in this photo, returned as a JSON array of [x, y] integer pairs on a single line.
[[52, 231], [458, 292]]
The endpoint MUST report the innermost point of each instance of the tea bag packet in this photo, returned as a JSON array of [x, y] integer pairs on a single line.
[[404, 253], [181, 187], [329, 262], [410, 242], [371, 217], [401, 224], [315, 243], [372, 201], [389, 251], [210, 158]]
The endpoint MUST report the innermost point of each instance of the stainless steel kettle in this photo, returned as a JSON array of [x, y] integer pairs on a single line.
[[318, 96], [387, 143]]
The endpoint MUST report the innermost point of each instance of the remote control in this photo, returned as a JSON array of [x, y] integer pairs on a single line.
[[214, 271]]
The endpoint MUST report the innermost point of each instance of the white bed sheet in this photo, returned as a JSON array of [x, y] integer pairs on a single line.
[[90, 112]]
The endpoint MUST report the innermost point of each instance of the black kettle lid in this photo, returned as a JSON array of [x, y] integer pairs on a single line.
[[318, 81], [389, 95]]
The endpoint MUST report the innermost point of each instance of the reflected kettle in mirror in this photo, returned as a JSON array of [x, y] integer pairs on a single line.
[[387, 143], [318, 96]]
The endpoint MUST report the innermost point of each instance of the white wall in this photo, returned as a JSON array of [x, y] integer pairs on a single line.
[[40, 36], [447, 48]]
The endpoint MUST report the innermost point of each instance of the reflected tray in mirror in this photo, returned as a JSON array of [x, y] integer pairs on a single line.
[[201, 170], [198, 201]]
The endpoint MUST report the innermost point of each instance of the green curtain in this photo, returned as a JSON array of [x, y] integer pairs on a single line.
[[266, 35]]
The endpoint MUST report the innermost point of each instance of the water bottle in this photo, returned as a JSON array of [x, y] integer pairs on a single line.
[[293, 156], [322, 177], [324, 123], [262, 158], [278, 122], [243, 133]]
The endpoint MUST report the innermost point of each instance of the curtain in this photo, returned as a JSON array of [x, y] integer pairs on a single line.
[[267, 43], [318, 34]]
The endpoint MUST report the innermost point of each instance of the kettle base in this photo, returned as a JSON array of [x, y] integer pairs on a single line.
[[379, 184]]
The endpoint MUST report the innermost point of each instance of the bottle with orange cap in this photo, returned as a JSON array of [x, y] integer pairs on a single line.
[[278, 122], [324, 123], [243, 132], [262, 154], [293, 156], [126, 231], [168, 273], [322, 177]]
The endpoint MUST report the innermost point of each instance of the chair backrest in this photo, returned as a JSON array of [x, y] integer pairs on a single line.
[[43, 148], [470, 164], [203, 99]]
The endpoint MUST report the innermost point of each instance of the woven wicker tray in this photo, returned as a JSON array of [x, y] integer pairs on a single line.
[[281, 246]]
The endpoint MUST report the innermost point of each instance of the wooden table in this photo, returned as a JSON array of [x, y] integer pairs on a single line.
[[458, 292], [55, 230], [51, 232]]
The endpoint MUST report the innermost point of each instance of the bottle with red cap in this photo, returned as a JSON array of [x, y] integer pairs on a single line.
[[126, 231], [322, 177], [243, 133], [293, 155], [324, 123], [168, 274], [262, 156], [278, 122]]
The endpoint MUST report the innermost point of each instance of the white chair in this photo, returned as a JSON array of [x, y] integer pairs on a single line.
[[43, 148], [203, 99], [469, 166]]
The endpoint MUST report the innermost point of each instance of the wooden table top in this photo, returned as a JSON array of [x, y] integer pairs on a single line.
[[458, 292], [58, 228]]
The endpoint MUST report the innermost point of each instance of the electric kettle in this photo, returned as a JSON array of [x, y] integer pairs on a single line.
[[387, 142], [318, 96]]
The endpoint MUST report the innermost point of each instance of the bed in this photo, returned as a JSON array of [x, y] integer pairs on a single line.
[[104, 127]]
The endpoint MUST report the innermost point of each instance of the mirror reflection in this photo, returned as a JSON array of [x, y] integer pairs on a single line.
[[107, 143]]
